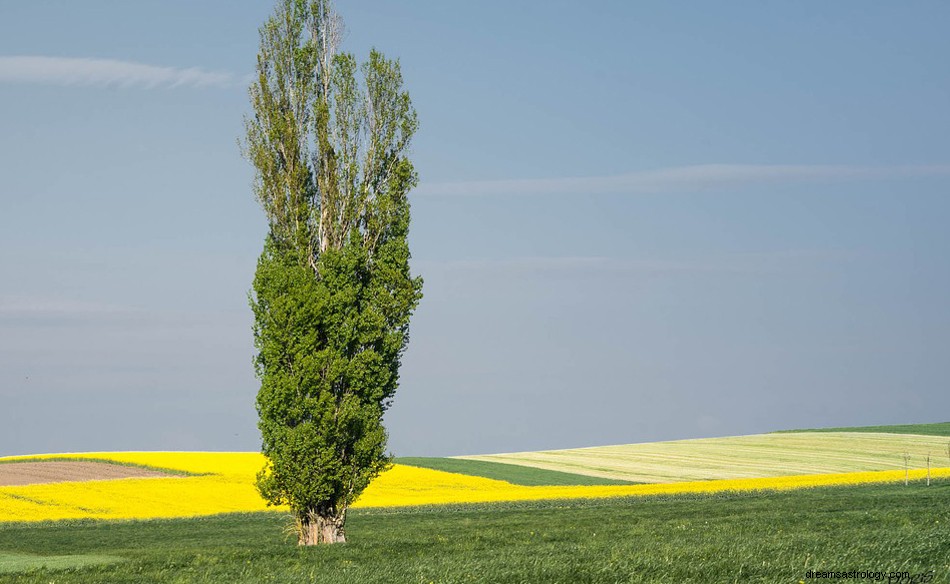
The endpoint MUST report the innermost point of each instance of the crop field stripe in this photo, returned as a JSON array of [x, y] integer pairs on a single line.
[[170, 471], [189, 463], [761, 455], [510, 473]]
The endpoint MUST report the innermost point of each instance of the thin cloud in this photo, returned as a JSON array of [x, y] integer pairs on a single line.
[[558, 264], [681, 178], [31, 306], [735, 263], [72, 71]]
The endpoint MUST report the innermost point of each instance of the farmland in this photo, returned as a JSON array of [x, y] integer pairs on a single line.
[[745, 511], [226, 485], [736, 457], [515, 474], [938, 429]]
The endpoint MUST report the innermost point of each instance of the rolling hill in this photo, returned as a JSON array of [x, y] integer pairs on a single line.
[[761, 455]]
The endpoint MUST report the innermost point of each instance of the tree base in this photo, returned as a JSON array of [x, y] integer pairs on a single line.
[[315, 529]]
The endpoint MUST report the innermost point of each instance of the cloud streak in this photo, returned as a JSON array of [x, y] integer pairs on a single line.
[[43, 306], [559, 264], [735, 263], [71, 71], [682, 178]]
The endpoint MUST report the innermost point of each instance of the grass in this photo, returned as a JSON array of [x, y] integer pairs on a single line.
[[737, 457], [18, 563], [938, 429], [752, 537], [512, 473]]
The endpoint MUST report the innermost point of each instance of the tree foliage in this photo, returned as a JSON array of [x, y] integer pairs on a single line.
[[332, 294]]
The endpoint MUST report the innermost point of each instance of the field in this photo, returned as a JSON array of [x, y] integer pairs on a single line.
[[61, 471], [515, 474], [761, 455], [731, 537], [938, 429], [727, 509], [223, 482]]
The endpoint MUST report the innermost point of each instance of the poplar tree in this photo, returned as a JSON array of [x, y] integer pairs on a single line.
[[332, 294]]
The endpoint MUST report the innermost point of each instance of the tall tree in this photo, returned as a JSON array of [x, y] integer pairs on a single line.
[[332, 294]]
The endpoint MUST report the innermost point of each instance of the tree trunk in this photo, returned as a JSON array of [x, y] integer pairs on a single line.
[[314, 528]]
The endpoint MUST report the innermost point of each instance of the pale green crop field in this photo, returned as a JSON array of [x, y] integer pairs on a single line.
[[736, 457]]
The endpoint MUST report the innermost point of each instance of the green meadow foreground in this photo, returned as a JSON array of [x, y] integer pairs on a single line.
[[734, 537]]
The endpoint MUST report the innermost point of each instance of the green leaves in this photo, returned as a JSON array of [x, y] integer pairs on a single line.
[[332, 295]]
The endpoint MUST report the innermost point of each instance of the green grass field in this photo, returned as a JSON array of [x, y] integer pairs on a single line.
[[737, 457], [938, 429], [512, 473], [15, 563], [753, 537]]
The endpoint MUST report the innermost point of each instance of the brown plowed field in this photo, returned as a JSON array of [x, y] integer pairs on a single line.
[[58, 471]]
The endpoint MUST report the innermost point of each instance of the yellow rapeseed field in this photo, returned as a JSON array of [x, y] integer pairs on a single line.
[[228, 486]]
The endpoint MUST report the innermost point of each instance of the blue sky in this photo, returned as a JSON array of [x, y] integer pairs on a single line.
[[636, 222]]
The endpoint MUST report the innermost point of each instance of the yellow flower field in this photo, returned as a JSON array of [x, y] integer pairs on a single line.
[[228, 486]]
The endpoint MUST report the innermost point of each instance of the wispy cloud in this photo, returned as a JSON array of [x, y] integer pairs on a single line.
[[36, 310], [107, 73], [559, 264], [735, 263], [681, 178]]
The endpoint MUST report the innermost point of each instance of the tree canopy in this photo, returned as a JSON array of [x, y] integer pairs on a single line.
[[332, 295]]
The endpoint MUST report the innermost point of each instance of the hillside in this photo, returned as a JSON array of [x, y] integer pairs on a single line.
[[938, 429], [761, 455]]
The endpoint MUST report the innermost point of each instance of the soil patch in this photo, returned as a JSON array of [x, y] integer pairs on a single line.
[[58, 471]]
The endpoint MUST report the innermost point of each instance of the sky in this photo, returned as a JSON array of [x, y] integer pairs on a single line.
[[636, 221]]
